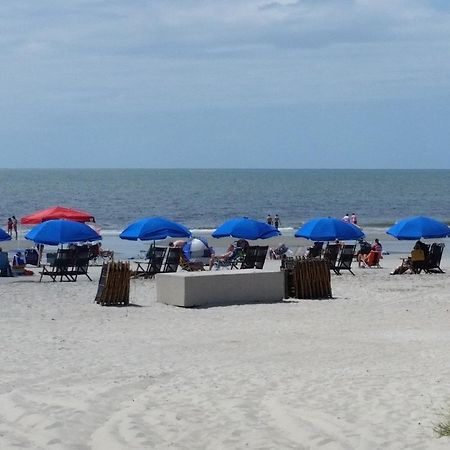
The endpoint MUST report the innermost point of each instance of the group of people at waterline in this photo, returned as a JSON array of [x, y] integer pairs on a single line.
[[274, 221]]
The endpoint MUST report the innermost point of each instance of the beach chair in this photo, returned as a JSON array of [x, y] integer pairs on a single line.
[[172, 260], [5, 266], [32, 256], [81, 262], [154, 264], [371, 260], [331, 253], [232, 262], [249, 260], [261, 254], [433, 261], [62, 267], [345, 259], [190, 266], [416, 260], [315, 251]]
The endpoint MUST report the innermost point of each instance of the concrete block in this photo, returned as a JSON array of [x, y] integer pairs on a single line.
[[228, 287]]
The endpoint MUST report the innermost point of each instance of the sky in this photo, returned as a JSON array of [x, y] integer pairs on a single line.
[[225, 83]]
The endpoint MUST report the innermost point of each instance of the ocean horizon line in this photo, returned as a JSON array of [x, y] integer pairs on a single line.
[[290, 169]]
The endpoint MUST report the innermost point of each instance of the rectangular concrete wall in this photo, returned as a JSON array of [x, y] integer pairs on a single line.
[[189, 289]]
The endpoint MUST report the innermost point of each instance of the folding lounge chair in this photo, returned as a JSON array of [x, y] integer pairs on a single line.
[[433, 261], [331, 254], [62, 267], [232, 262], [5, 267], [154, 265], [81, 262], [250, 257], [172, 260], [372, 259], [416, 260], [190, 266], [316, 250], [261, 255], [345, 259]]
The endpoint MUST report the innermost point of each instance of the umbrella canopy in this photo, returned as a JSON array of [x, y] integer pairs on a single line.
[[153, 229], [57, 212], [55, 232], [329, 229], [245, 228], [413, 228], [4, 236]]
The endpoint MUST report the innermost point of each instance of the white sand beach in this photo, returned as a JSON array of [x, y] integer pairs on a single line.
[[369, 369]]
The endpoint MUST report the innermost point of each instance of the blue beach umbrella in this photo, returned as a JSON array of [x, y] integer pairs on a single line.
[[413, 228], [153, 229], [245, 228], [329, 229], [55, 232], [4, 236]]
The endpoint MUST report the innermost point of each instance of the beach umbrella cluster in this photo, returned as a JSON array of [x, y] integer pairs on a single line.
[[61, 225]]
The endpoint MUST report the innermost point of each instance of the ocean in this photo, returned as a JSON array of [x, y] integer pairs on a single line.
[[202, 199]]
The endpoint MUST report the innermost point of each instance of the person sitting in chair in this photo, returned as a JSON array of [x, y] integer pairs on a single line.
[[243, 244], [315, 250], [278, 252], [225, 257], [371, 258]]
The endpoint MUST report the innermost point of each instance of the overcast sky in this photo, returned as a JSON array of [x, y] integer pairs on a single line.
[[225, 83]]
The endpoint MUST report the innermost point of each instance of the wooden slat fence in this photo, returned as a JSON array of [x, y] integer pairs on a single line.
[[114, 284], [307, 278]]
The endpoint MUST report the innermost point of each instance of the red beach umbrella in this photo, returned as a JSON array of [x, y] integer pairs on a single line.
[[57, 212]]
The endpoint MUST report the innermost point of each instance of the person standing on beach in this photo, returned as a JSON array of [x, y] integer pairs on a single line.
[[269, 219], [10, 226], [14, 225], [354, 219], [346, 218], [276, 221]]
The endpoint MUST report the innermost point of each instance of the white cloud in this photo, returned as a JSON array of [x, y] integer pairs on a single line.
[[140, 54]]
